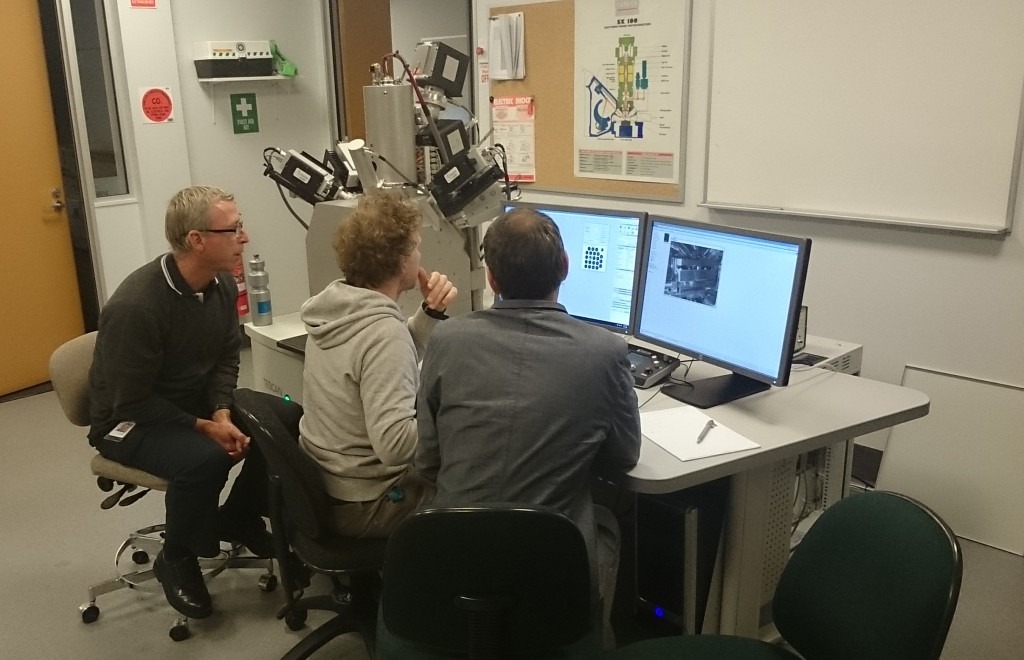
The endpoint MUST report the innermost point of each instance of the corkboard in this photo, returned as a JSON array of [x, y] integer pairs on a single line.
[[550, 56]]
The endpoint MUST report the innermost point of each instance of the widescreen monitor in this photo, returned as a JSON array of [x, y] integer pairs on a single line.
[[604, 259], [727, 296]]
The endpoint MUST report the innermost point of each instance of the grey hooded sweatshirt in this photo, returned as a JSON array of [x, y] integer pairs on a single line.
[[359, 389]]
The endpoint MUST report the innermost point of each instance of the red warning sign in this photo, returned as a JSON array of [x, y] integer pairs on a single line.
[[157, 106]]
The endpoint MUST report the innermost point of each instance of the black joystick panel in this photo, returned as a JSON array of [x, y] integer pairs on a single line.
[[650, 367]]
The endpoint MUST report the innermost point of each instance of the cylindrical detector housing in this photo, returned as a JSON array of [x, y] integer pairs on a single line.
[[391, 129]]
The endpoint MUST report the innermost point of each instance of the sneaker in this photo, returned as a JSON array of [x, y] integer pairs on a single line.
[[250, 532], [183, 584]]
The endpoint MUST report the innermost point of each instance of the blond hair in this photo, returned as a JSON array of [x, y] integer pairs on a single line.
[[189, 210]]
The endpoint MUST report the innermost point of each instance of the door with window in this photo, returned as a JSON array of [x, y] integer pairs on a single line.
[[38, 284]]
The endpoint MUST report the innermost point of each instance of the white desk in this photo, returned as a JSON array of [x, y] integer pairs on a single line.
[[276, 369], [819, 408]]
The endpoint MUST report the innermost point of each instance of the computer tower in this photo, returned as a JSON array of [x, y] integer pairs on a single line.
[[677, 539]]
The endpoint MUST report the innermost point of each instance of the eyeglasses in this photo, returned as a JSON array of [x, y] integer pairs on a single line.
[[236, 230]]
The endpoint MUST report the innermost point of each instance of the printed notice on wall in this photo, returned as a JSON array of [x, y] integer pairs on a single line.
[[245, 117], [156, 104], [513, 120], [628, 93]]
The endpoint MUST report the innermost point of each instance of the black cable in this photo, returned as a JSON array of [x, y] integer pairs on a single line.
[[280, 190], [395, 169], [504, 169], [682, 380], [805, 512], [284, 199], [423, 106], [648, 399]]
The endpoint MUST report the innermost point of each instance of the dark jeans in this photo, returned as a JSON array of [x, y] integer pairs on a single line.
[[196, 469]]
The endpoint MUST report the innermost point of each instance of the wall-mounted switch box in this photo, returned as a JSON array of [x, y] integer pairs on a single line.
[[233, 59]]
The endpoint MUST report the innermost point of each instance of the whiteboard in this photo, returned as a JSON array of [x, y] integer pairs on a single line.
[[965, 459], [906, 112]]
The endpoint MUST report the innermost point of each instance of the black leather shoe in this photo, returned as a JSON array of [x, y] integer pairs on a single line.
[[182, 580], [252, 533]]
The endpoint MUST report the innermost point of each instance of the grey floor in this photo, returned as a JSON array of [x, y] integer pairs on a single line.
[[55, 541]]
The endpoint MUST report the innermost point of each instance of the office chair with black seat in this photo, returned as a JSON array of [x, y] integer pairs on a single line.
[[300, 520], [488, 582], [877, 576], [69, 375]]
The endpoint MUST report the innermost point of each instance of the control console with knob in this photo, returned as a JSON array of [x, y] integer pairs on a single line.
[[650, 367]]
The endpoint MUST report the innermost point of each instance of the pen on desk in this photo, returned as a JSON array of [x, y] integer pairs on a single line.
[[704, 431]]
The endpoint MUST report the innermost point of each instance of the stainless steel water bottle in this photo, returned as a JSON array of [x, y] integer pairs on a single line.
[[259, 292]]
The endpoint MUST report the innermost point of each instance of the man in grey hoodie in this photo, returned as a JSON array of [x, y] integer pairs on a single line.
[[361, 368]]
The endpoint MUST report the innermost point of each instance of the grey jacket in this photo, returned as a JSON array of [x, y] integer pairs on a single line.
[[521, 403], [359, 389]]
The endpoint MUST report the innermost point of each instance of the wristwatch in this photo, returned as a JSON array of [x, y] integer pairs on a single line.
[[433, 313]]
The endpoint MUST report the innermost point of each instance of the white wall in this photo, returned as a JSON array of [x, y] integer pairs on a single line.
[[412, 20], [161, 158], [154, 47], [293, 114], [129, 228], [947, 301]]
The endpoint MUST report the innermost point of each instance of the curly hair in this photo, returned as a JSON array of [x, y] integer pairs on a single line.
[[190, 209], [371, 244], [524, 252]]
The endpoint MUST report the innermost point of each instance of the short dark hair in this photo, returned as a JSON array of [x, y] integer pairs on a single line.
[[372, 242], [524, 252]]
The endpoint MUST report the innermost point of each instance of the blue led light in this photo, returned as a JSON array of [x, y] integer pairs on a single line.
[[658, 612]]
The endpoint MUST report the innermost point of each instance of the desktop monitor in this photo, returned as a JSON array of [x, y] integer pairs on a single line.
[[604, 261], [727, 296]]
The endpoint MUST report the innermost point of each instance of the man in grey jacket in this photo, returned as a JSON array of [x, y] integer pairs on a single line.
[[522, 402]]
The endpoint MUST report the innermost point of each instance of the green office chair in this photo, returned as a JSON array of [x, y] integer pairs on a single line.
[[877, 576], [487, 582], [300, 519]]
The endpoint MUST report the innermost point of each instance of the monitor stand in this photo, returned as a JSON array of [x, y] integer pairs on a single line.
[[710, 392]]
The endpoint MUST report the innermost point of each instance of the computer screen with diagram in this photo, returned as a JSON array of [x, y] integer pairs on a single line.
[[604, 255]]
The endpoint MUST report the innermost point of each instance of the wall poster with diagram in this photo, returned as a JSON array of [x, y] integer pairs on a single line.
[[630, 72]]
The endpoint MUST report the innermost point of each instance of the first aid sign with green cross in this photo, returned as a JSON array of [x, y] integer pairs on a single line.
[[244, 118]]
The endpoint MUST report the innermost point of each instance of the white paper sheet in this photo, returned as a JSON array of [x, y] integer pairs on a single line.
[[676, 430], [513, 119], [507, 55]]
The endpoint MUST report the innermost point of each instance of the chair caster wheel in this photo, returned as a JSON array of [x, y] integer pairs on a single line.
[[295, 619], [140, 557], [89, 613], [179, 631], [268, 582], [105, 484]]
